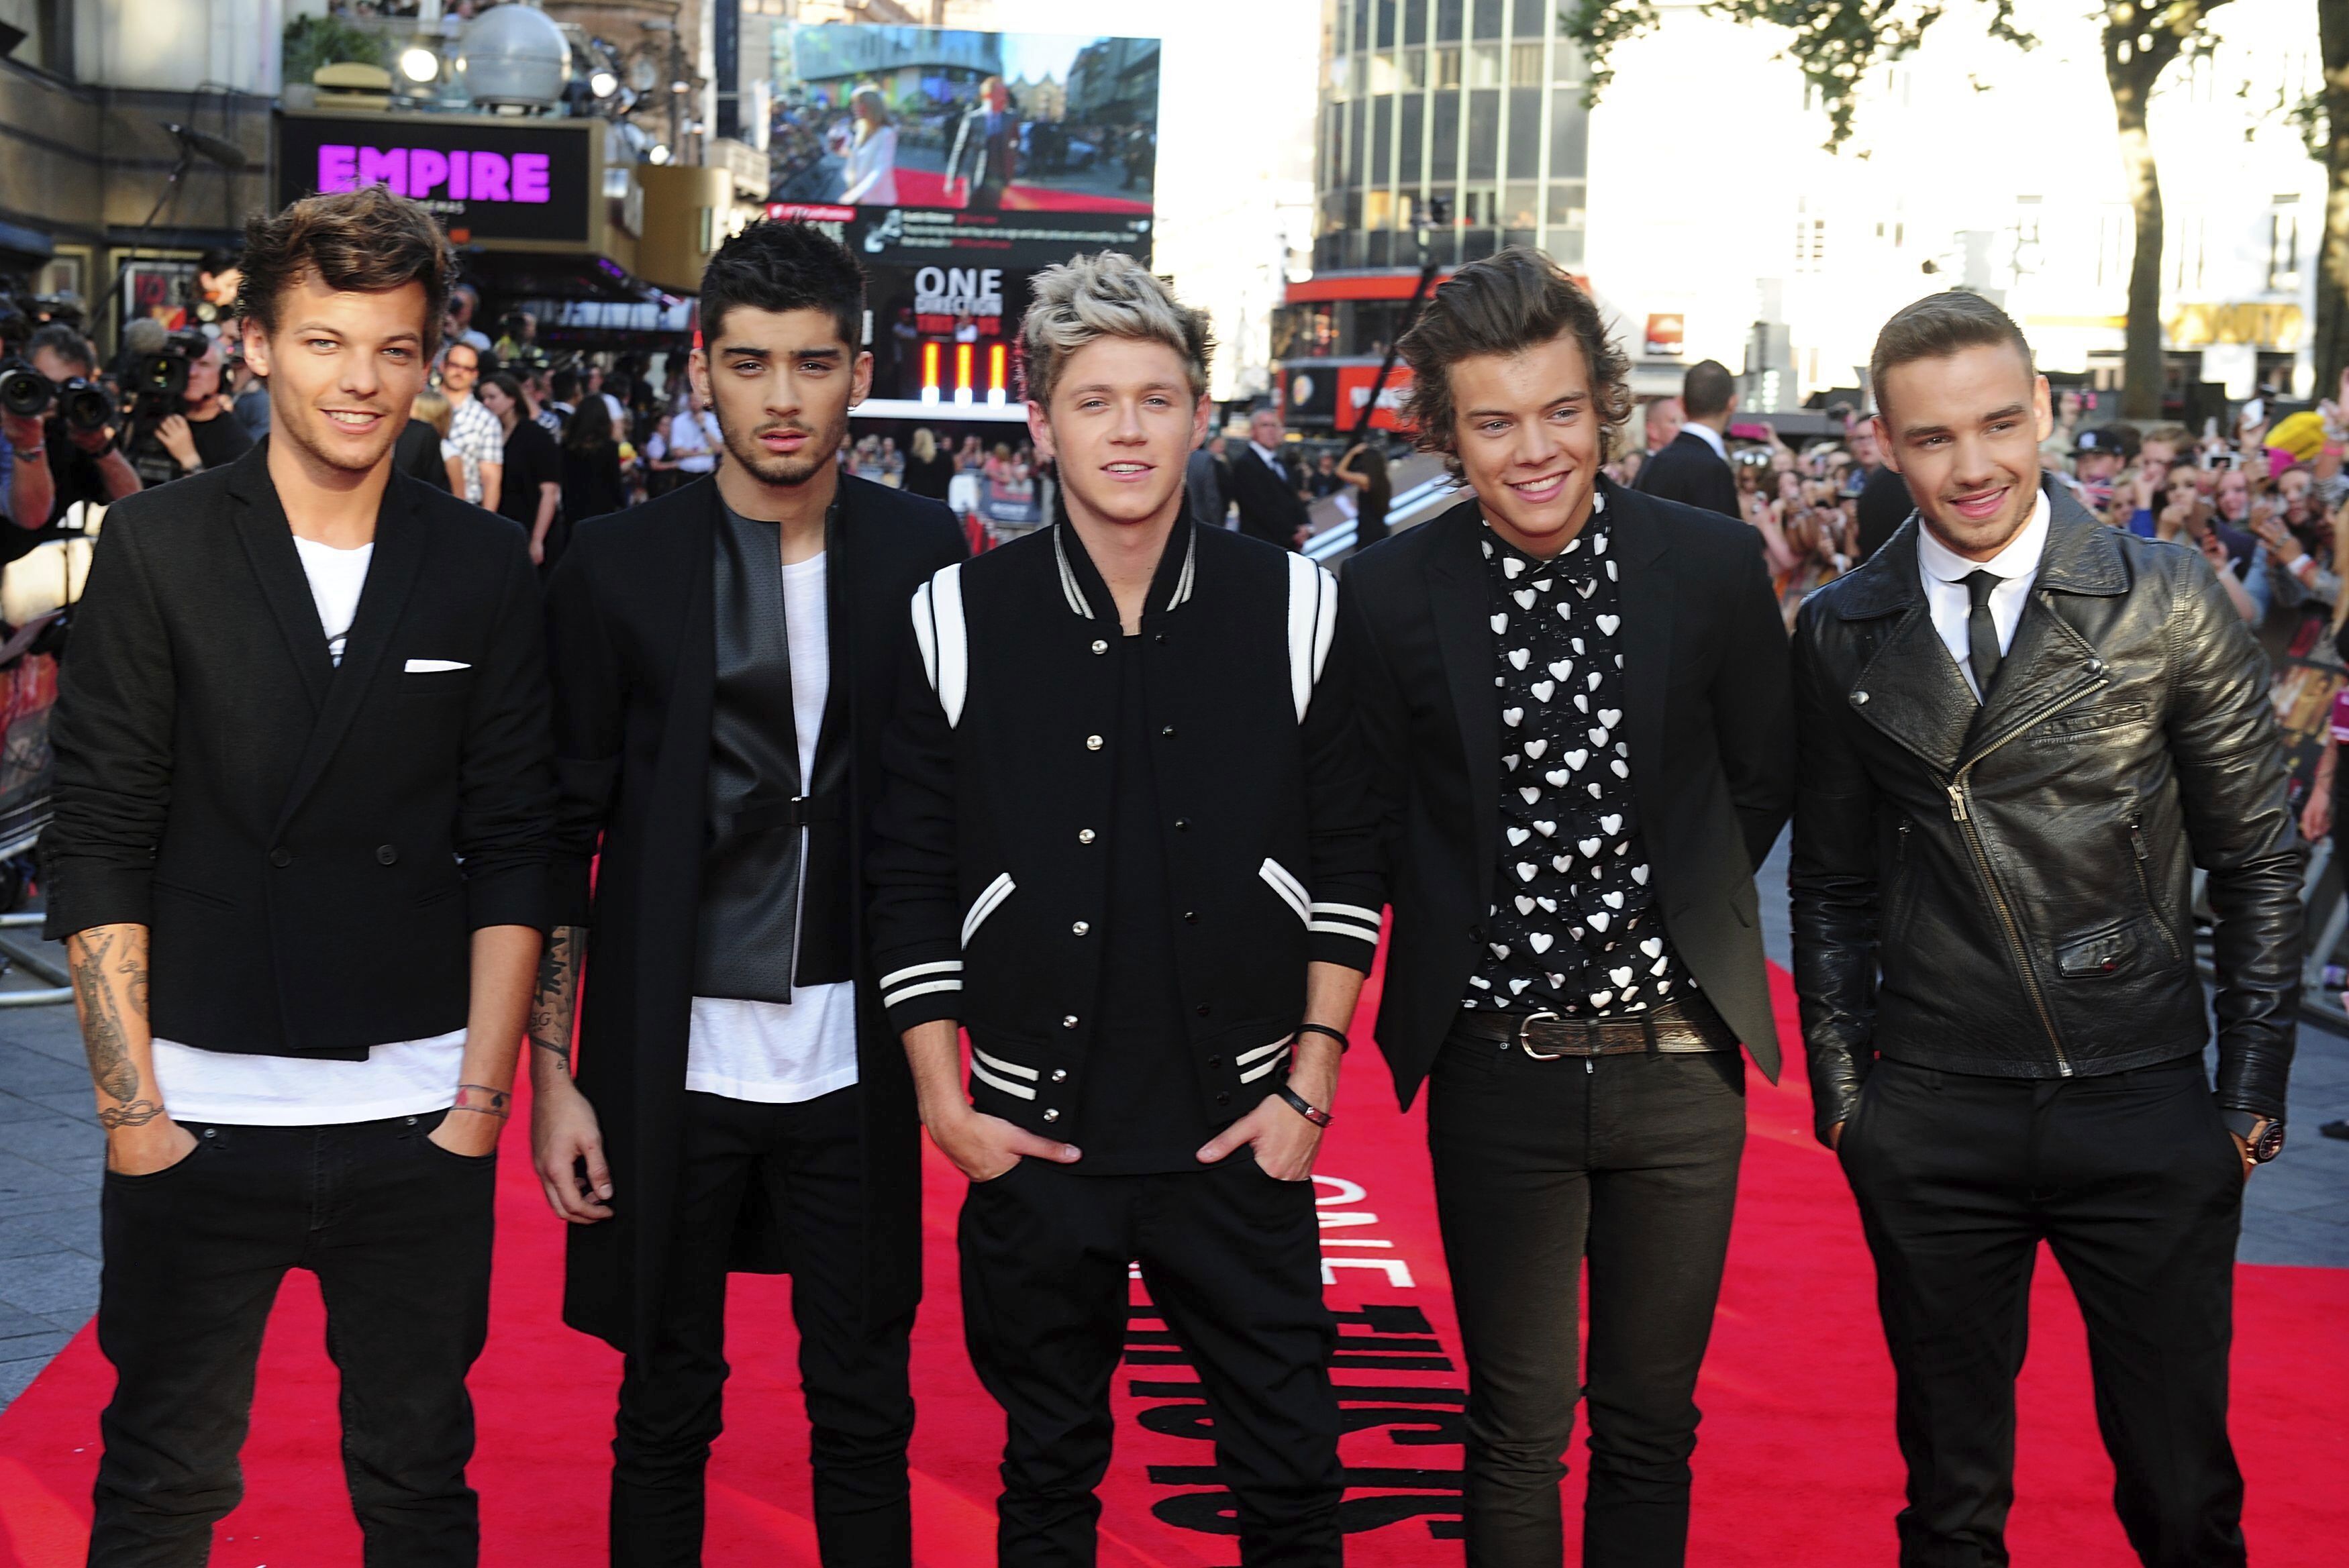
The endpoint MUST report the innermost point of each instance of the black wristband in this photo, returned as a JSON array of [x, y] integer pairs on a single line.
[[1304, 1107], [1344, 1045]]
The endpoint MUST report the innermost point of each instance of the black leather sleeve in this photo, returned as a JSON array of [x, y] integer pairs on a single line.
[[2233, 790], [1834, 880]]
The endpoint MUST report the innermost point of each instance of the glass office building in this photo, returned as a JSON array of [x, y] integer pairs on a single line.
[[1476, 105]]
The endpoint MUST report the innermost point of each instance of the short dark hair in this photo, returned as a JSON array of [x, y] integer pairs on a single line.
[[780, 267], [1707, 388], [564, 383], [366, 241], [1938, 327], [65, 343], [1514, 300]]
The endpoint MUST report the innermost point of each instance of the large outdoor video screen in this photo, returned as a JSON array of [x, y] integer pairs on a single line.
[[981, 122]]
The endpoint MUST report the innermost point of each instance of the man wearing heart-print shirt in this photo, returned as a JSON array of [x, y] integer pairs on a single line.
[[1577, 703]]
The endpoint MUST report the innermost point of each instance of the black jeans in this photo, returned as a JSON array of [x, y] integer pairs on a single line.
[[2134, 1182], [1629, 1163], [1232, 1257], [397, 1230], [805, 1164]]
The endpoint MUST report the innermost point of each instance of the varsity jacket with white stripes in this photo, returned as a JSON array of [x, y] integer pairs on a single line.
[[991, 874]]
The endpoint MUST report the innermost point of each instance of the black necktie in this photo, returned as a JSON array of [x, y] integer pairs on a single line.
[[1981, 632]]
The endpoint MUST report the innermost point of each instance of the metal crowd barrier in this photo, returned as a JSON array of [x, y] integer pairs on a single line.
[[17, 955]]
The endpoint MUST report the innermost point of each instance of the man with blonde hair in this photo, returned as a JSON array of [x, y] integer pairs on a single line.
[[1122, 846]]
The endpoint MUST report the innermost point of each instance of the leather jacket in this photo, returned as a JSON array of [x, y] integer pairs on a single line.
[[2005, 889]]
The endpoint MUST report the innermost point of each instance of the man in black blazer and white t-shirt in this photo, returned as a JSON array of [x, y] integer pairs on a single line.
[[1574, 697], [725, 658], [302, 784], [1693, 468]]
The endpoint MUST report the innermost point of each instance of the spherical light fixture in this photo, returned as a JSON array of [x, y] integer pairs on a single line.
[[513, 56], [660, 154], [603, 84], [420, 64]]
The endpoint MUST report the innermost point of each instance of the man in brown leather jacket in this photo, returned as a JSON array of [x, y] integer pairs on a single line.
[[2021, 731]]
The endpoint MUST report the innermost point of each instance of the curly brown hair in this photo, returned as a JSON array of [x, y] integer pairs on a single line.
[[366, 241], [1512, 301]]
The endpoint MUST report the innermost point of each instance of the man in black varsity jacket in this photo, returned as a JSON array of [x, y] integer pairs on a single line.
[[302, 758], [1119, 848], [1576, 700], [725, 662]]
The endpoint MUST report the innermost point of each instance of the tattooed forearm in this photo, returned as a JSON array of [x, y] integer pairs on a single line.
[[109, 975], [138, 1113], [556, 1001]]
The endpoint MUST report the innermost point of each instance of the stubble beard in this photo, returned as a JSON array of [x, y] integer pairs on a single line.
[[769, 468], [301, 430]]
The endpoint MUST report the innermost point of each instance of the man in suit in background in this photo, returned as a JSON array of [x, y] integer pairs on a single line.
[[986, 149], [1574, 700], [1693, 466], [1263, 488], [1204, 483], [303, 758]]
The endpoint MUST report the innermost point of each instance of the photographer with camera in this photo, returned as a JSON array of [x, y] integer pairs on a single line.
[[59, 427], [180, 423]]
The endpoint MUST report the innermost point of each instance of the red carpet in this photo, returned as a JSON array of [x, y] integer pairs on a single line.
[[1796, 1463], [927, 188]]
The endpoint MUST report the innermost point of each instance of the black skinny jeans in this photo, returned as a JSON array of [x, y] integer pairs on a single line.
[[806, 1162], [1232, 1258], [1629, 1163], [2134, 1182], [397, 1230]]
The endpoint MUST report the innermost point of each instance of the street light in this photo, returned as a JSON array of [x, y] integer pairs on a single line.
[[603, 84], [420, 64], [660, 154]]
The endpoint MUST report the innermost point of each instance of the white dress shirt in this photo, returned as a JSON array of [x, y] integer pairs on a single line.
[[1710, 437], [1945, 572]]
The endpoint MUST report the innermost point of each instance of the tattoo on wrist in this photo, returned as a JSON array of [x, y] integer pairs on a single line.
[[138, 1113], [555, 1002], [479, 1097]]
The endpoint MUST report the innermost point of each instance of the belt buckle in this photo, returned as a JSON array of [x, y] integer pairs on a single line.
[[1526, 1047]]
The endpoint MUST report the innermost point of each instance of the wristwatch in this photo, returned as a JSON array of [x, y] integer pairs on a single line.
[[2262, 1136]]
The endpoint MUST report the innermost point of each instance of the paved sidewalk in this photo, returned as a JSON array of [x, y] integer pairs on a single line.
[[51, 1156]]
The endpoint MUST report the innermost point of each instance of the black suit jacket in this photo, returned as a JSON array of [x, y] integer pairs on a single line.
[[311, 844], [631, 618], [1712, 752], [1687, 469], [1269, 507]]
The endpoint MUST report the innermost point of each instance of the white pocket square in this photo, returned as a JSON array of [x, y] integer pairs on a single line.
[[425, 666]]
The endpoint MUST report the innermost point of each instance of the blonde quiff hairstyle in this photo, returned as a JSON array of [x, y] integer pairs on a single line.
[[1108, 294]]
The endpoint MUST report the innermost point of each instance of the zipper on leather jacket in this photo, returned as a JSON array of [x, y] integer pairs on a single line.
[[2144, 886], [1971, 830]]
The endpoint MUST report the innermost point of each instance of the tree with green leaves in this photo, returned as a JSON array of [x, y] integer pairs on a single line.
[[1837, 43]]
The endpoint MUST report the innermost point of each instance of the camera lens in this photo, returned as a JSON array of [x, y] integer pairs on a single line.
[[86, 407], [24, 393]]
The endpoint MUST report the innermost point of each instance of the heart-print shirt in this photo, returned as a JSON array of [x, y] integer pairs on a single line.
[[1574, 928]]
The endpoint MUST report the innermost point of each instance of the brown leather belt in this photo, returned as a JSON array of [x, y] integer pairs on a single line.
[[1680, 1026]]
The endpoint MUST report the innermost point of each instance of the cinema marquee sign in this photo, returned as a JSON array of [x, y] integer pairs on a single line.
[[503, 183]]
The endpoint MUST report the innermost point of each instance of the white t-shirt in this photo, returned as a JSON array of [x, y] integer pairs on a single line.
[[781, 1053], [408, 1079]]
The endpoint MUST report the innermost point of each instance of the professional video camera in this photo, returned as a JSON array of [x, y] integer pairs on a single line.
[[26, 393], [157, 380]]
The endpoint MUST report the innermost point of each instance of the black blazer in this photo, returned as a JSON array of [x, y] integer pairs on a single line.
[[1712, 752], [1687, 469], [631, 622], [311, 845], [989, 885], [1269, 507]]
